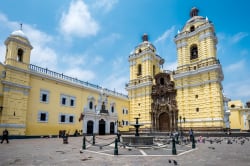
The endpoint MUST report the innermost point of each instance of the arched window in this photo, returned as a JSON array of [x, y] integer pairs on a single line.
[[139, 70], [112, 109], [91, 105], [192, 28], [19, 55], [193, 52]]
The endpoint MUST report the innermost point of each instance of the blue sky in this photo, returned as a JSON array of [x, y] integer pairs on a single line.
[[92, 39]]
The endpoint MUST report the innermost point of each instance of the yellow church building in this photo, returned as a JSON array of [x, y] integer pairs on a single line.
[[35, 101]]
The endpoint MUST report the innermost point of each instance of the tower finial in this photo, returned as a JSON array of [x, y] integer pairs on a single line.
[[145, 37], [21, 26], [194, 12]]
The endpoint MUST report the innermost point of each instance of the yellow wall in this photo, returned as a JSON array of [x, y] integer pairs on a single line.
[[239, 116]]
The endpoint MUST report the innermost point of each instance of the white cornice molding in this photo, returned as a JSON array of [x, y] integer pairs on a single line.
[[198, 71]]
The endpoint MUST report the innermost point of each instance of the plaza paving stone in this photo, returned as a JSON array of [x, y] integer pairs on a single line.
[[52, 151]]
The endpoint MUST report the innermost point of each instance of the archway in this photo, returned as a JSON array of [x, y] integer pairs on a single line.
[[112, 127], [90, 127], [101, 127], [164, 122]]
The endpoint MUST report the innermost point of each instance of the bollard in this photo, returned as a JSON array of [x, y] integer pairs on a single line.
[[193, 142], [173, 147], [118, 136], [93, 139], [116, 147], [83, 143]]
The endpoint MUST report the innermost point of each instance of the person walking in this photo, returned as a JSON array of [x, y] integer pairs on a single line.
[[5, 136]]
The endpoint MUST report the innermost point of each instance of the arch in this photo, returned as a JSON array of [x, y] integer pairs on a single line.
[[162, 81], [192, 28], [20, 55], [91, 105], [102, 126], [164, 122], [112, 127], [90, 127], [193, 52], [139, 70]]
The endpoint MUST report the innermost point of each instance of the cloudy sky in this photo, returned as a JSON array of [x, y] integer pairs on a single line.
[[92, 39]]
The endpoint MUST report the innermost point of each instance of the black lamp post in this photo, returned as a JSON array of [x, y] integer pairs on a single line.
[[180, 125], [184, 119]]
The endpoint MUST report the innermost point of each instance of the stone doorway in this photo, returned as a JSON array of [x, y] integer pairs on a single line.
[[102, 127], [164, 122], [90, 127], [112, 127]]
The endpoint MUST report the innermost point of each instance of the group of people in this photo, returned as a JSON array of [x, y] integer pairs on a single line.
[[5, 136]]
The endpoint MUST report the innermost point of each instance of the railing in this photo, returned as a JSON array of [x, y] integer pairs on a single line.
[[197, 65], [61, 76]]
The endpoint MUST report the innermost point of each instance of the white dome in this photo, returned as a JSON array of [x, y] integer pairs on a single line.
[[19, 33]]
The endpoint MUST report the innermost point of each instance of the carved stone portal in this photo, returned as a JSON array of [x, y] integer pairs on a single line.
[[164, 107]]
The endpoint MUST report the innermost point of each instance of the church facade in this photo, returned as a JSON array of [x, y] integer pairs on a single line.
[[36, 101]]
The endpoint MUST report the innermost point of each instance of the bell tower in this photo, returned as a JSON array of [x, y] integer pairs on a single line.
[[16, 83], [18, 50], [199, 75], [144, 64]]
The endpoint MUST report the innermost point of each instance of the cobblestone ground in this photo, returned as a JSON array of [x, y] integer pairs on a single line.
[[52, 151]]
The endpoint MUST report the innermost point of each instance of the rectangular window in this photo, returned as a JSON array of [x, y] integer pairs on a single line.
[[62, 119], [42, 116], [63, 101], [66, 118], [72, 101], [67, 100], [71, 119], [44, 96]]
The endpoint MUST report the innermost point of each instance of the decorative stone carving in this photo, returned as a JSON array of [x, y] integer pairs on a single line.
[[164, 107]]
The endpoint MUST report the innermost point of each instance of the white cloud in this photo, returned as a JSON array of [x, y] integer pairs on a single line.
[[74, 59], [116, 82], [244, 52], [2, 53], [232, 39], [235, 66], [237, 37], [97, 60], [238, 90], [105, 5], [44, 57], [167, 34], [77, 21], [171, 66], [42, 54], [6, 23], [85, 75]]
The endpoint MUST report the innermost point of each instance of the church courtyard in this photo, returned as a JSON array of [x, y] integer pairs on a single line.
[[228, 151]]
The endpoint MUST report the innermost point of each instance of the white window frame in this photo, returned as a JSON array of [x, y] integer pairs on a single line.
[[44, 92], [68, 100], [72, 98], [67, 118], [39, 116]]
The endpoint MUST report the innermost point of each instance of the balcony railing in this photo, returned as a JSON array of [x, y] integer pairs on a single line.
[[197, 65], [61, 76]]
